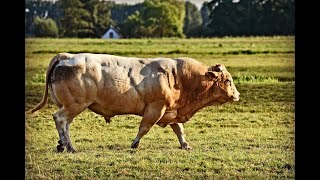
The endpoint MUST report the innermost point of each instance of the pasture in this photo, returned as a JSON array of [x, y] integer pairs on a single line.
[[250, 139]]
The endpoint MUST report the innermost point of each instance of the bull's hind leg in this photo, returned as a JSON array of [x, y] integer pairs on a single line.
[[63, 119], [152, 114], [69, 145], [178, 130]]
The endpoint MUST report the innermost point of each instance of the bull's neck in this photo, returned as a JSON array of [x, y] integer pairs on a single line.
[[194, 104], [195, 89]]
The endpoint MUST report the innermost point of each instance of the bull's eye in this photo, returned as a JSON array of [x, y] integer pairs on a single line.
[[227, 81]]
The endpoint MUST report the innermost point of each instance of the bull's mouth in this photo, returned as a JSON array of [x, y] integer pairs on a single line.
[[236, 99]]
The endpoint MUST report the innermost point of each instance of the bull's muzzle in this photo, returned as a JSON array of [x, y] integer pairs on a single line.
[[236, 97]]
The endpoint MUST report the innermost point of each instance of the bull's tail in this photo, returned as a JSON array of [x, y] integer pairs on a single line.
[[51, 66]]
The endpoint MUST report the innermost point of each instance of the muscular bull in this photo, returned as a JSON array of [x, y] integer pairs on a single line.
[[163, 91]]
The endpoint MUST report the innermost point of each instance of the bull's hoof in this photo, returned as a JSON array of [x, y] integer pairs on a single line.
[[107, 119], [60, 142], [60, 148], [135, 145], [71, 151], [186, 146]]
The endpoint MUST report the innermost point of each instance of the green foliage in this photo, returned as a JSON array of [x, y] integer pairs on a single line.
[[100, 17], [205, 13], [42, 9], [45, 27], [75, 19], [157, 19], [120, 12], [192, 20], [254, 78], [253, 138], [248, 17], [84, 18], [166, 18], [133, 26]]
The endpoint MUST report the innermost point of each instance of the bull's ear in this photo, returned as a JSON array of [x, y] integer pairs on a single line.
[[211, 74], [218, 68]]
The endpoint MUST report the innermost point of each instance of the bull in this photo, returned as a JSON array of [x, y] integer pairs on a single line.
[[163, 91]]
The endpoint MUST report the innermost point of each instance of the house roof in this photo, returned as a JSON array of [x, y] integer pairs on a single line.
[[114, 29]]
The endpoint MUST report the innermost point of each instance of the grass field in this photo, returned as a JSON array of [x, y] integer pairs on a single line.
[[250, 139]]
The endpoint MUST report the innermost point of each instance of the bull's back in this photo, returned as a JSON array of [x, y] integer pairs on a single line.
[[115, 85]]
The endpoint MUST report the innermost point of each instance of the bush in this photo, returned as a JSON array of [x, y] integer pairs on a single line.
[[45, 27]]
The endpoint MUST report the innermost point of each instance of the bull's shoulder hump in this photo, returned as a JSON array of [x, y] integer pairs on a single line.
[[189, 62], [162, 61]]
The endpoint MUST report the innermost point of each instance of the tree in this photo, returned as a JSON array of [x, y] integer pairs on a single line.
[[133, 26], [192, 20], [157, 19], [120, 12], [84, 18], [42, 9], [99, 18], [45, 27], [75, 19], [228, 18], [164, 18], [103, 18], [247, 17], [279, 16], [205, 13]]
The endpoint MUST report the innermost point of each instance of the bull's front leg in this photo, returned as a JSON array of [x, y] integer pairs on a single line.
[[178, 130], [152, 115]]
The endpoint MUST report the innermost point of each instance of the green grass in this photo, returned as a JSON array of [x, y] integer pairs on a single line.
[[250, 139]]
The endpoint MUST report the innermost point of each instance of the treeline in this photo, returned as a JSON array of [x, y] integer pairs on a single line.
[[154, 18]]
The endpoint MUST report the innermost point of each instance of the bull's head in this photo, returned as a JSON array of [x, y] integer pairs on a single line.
[[223, 87]]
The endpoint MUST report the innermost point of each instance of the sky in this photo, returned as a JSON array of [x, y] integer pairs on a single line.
[[198, 3]]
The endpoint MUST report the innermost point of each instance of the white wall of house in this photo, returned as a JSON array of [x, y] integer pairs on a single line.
[[111, 34]]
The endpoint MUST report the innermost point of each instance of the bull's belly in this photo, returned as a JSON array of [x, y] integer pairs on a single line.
[[168, 118], [111, 106]]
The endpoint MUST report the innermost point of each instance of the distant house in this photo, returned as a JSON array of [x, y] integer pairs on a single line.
[[112, 33]]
